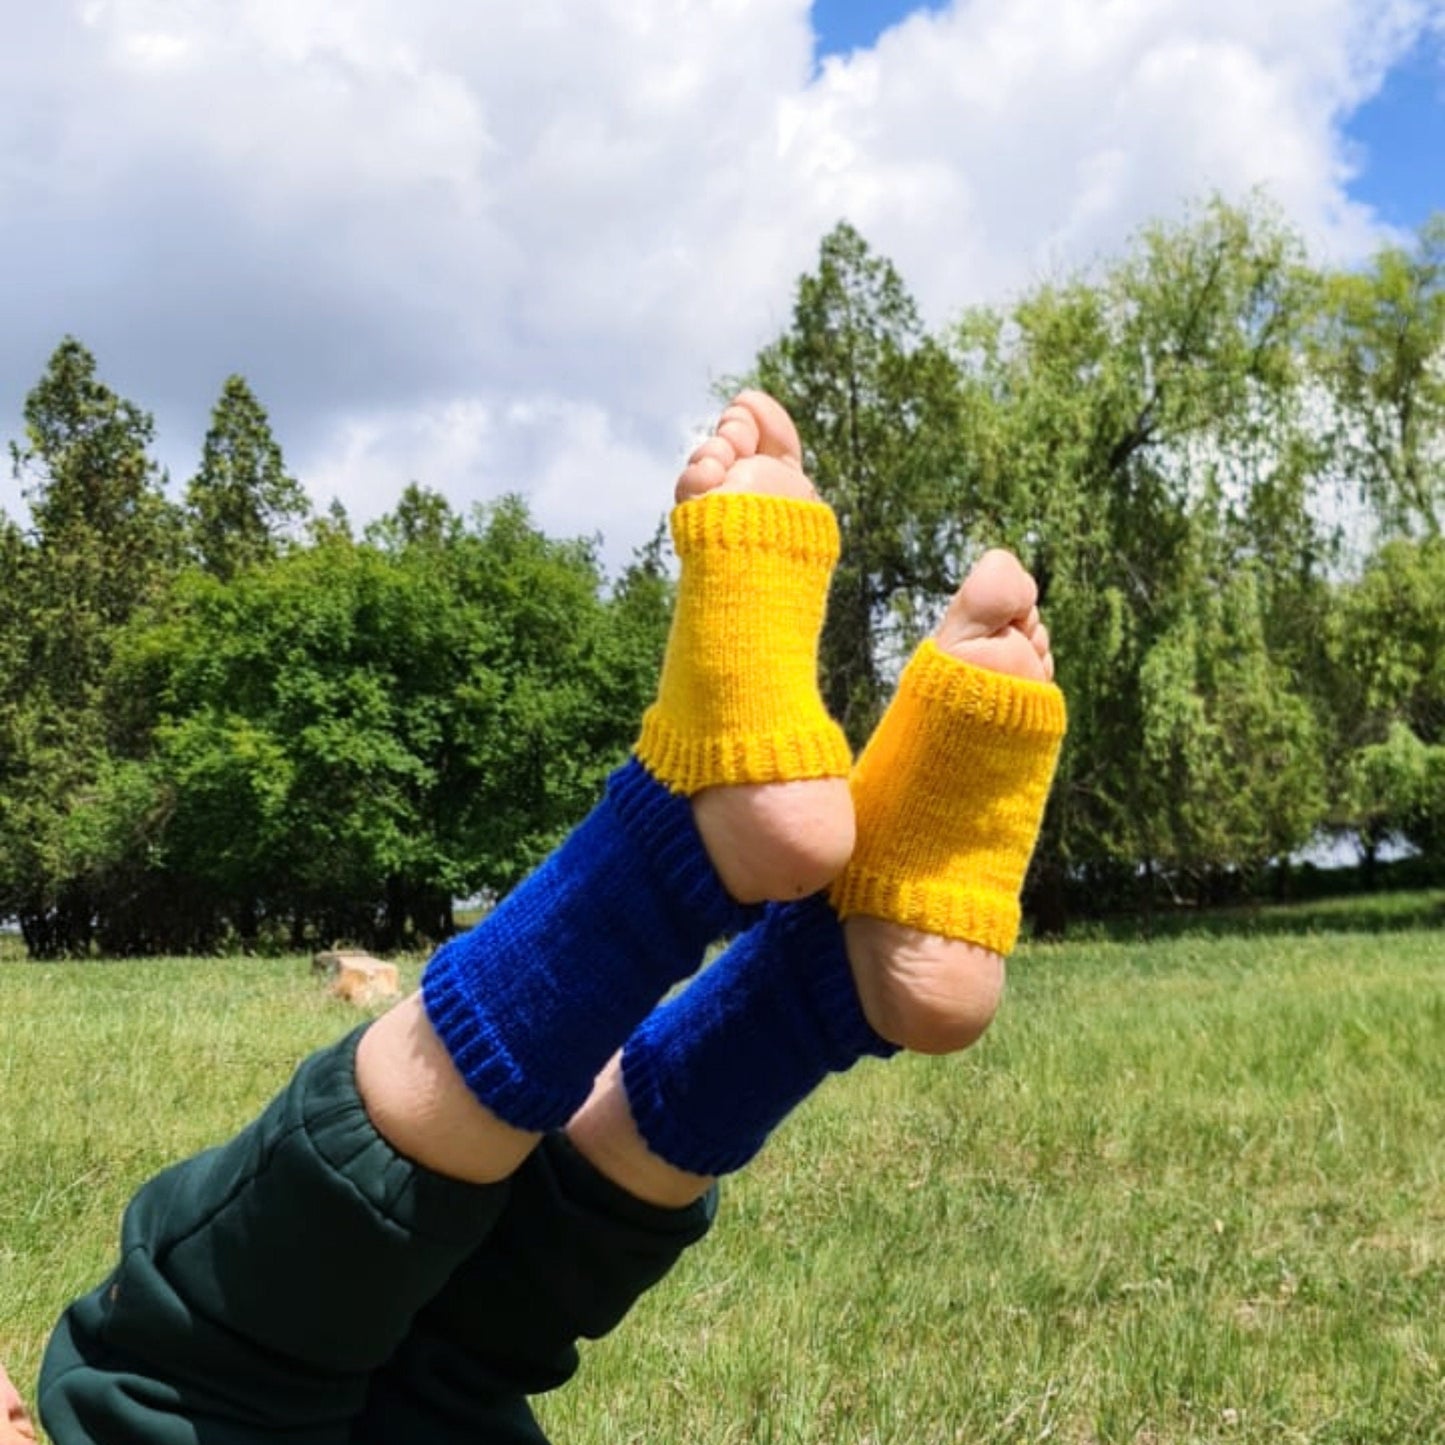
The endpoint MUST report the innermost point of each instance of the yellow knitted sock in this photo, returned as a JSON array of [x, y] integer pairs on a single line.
[[949, 795], [738, 701]]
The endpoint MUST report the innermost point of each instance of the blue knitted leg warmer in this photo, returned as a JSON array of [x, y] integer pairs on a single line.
[[714, 1070], [542, 992]]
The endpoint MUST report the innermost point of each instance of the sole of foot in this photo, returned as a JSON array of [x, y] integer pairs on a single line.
[[926, 993], [767, 841]]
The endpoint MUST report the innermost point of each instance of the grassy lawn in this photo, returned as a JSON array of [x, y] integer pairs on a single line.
[[1189, 1189]]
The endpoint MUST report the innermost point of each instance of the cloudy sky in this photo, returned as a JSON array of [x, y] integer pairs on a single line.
[[513, 248]]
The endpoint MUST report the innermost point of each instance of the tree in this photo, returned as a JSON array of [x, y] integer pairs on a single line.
[[422, 518], [1144, 440], [105, 542], [1387, 646], [346, 738], [96, 498], [14, 720], [1383, 357], [876, 400], [1231, 750], [242, 502]]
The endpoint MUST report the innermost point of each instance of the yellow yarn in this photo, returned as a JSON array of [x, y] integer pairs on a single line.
[[738, 701], [949, 793]]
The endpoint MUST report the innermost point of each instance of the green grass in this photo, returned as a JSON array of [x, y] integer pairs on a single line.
[[1188, 1190]]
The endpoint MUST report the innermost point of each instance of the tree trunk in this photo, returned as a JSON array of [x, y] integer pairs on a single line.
[[1045, 902]]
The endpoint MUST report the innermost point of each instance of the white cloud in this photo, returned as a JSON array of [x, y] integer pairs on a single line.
[[582, 475], [515, 254]]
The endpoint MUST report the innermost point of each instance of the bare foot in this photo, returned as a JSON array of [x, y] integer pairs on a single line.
[[767, 840], [927, 993], [754, 448], [16, 1427]]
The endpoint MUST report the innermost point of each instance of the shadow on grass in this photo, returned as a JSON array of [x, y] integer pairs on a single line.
[[1412, 911]]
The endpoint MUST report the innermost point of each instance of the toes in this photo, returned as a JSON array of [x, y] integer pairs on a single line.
[[739, 429], [719, 448], [1000, 584], [754, 448], [1040, 639], [993, 620], [776, 434], [1038, 634]]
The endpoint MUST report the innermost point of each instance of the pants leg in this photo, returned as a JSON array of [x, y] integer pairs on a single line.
[[261, 1283], [569, 1256]]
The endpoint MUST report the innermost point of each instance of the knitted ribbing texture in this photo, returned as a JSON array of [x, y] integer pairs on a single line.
[[949, 796], [738, 701], [710, 1073], [534, 1000]]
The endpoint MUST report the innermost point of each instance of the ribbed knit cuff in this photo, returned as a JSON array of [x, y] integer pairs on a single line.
[[712, 1072], [755, 523], [949, 796]]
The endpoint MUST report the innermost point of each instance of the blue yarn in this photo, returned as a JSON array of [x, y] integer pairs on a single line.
[[713, 1071], [534, 1000]]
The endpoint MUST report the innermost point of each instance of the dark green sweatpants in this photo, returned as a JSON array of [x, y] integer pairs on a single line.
[[305, 1282]]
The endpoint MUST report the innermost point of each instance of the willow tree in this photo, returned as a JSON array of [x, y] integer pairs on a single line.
[[1383, 358], [1387, 644], [1144, 434]]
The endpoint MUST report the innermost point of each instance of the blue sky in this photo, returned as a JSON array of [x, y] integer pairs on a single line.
[[842, 26], [1401, 135]]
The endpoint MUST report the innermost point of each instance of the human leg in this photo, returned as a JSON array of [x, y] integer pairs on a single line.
[[574, 1249], [737, 793], [908, 950], [570, 1255], [800, 995], [215, 1326], [260, 1282]]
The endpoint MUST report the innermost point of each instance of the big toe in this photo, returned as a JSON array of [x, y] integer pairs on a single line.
[[997, 592]]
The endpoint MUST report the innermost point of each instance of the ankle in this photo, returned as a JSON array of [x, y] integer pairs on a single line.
[[419, 1103], [712, 1072], [604, 1133]]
